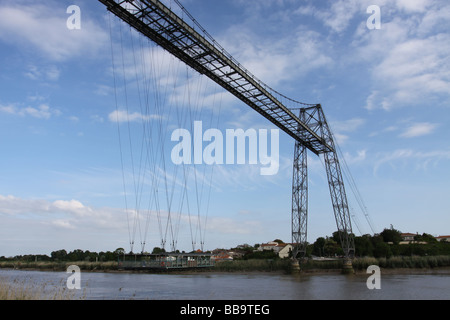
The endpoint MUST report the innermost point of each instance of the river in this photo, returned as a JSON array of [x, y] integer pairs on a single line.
[[433, 285]]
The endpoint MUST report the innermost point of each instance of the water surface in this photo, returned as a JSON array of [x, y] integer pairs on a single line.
[[234, 286]]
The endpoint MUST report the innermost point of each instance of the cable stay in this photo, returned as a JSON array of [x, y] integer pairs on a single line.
[[152, 97]]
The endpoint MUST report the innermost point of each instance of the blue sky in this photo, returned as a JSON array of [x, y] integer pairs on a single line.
[[386, 94]]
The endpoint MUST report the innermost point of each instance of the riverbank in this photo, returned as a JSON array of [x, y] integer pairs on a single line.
[[254, 265]]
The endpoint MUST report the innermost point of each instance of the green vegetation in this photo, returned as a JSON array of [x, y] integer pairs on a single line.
[[419, 262], [60, 260], [62, 256], [250, 265], [384, 245]]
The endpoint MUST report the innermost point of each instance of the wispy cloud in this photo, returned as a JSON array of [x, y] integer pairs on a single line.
[[50, 73], [337, 17], [43, 111], [409, 57], [342, 128], [404, 157], [419, 129]]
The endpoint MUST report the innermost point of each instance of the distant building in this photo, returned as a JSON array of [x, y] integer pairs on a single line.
[[443, 238], [408, 236], [282, 249], [222, 256]]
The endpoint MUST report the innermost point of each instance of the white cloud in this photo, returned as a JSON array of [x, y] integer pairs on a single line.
[[419, 129], [413, 5], [273, 60], [43, 27], [124, 116], [62, 224], [41, 112], [409, 58], [62, 212]]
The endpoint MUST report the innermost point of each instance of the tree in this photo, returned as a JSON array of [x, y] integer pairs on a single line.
[[332, 248], [363, 245], [391, 235], [425, 237], [382, 250], [59, 255], [318, 246], [158, 250], [76, 255]]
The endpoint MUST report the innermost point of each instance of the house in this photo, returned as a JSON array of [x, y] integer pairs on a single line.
[[282, 249], [443, 238], [408, 236], [222, 256], [236, 254], [268, 246]]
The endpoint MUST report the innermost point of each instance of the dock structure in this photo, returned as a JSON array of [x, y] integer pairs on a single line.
[[165, 261]]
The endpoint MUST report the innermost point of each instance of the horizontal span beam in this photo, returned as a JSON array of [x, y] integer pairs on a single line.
[[157, 22]]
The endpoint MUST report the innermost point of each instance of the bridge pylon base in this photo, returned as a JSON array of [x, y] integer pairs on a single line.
[[347, 266]]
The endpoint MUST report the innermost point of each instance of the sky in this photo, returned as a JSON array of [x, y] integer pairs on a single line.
[[72, 123]]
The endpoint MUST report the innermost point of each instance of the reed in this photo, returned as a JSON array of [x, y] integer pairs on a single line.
[[399, 262], [263, 265], [24, 290]]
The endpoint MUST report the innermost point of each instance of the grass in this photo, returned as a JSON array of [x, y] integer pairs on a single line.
[[420, 262], [24, 290], [253, 265]]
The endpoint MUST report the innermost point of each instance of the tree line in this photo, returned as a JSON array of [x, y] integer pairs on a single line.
[[383, 245], [75, 255]]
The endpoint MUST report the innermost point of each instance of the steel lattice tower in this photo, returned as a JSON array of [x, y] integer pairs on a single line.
[[314, 118], [195, 47]]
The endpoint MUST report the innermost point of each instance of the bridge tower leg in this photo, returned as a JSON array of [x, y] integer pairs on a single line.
[[299, 201], [315, 118], [339, 199], [338, 194]]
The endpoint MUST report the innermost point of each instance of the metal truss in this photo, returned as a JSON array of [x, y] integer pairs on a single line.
[[315, 119], [300, 200], [201, 52], [195, 47]]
